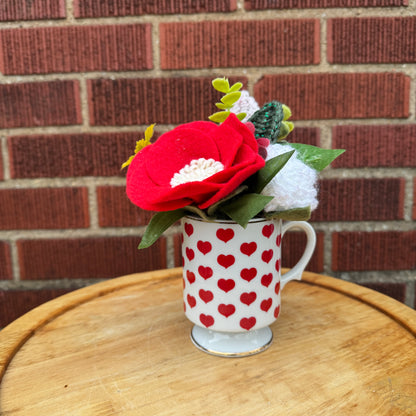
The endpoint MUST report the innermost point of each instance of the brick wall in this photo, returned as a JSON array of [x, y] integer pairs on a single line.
[[80, 81]]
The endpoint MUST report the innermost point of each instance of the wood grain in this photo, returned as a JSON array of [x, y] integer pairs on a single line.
[[122, 347]]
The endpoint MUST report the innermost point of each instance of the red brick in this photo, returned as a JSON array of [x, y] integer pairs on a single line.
[[292, 250], [360, 200], [6, 272], [242, 43], [307, 135], [32, 10], [309, 4], [76, 49], [341, 95], [87, 258], [45, 208], [414, 199], [153, 100], [116, 210], [293, 246], [372, 40], [93, 8], [394, 290], [70, 155], [385, 146], [382, 250], [52, 103], [14, 303]]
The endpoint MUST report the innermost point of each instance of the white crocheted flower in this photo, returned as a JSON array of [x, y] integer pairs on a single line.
[[245, 104], [295, 186]]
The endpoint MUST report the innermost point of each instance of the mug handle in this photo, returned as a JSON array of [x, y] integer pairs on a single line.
[[296, 272]]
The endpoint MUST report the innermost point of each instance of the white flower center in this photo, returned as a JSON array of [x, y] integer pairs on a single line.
[[196, 171]]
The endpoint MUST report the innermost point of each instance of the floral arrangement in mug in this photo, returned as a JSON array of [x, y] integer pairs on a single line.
[[236, 166]]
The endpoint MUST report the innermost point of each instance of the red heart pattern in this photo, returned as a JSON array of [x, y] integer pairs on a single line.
[[226, 310], [206, 295], [248, 298], [226, 261], [248, 274], [212, 291], [248, 323], [206, 320], [225, 234], [226, 284], [189, 229], [248, 248], [205, 272], [204, 246]]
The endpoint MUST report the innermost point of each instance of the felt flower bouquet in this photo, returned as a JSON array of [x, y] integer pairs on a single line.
[[236, 166]]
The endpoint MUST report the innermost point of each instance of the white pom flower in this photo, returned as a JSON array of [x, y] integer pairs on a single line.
[[295, 186], [245, 104]]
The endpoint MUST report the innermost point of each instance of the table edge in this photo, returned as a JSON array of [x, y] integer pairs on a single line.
[[13, 336]]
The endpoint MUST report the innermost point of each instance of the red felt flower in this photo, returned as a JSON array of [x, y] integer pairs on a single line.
[[209, 161]]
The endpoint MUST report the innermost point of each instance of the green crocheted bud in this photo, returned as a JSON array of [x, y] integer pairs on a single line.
[[268, 121]]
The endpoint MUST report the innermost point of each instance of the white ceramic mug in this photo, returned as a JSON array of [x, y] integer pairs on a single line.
[[232, 281]]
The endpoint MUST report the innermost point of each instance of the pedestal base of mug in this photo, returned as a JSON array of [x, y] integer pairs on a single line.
[[231, 344]]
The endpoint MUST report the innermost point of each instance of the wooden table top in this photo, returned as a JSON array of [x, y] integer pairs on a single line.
[[122, 347]]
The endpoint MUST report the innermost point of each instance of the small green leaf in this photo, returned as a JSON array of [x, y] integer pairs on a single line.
[[159, 223], [315, 157], [241, 116], [220, 116], [287, 113], [236, 87], [242, 209], [221, 85], [230, 99], [213, 208], [270, 170], [295, 214], [221, 106]]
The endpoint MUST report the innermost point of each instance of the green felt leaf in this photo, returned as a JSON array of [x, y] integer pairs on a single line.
[[242, 209], [159, 223], [295, 214], [221, 85], [231, 98], [221, 106], [213, 208], [270, 170], [220, 116], [241, 116], [236, 87], [315, 157]]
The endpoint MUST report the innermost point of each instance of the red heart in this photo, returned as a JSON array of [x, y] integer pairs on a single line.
[[248, 248], [248, 323], [226, 310], [267, 255], [267, 230], [277, 288], [204, 246], [248, 274], [206, 295], [205, 272], [206, 320], [277, 265], [266, 304], [279, 240], [191, 301], [190, 276], [190, 253], [266, 279], [225, 234], [248, 298], [189, 229], [225, 261], [276, 311], [226, 284]]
